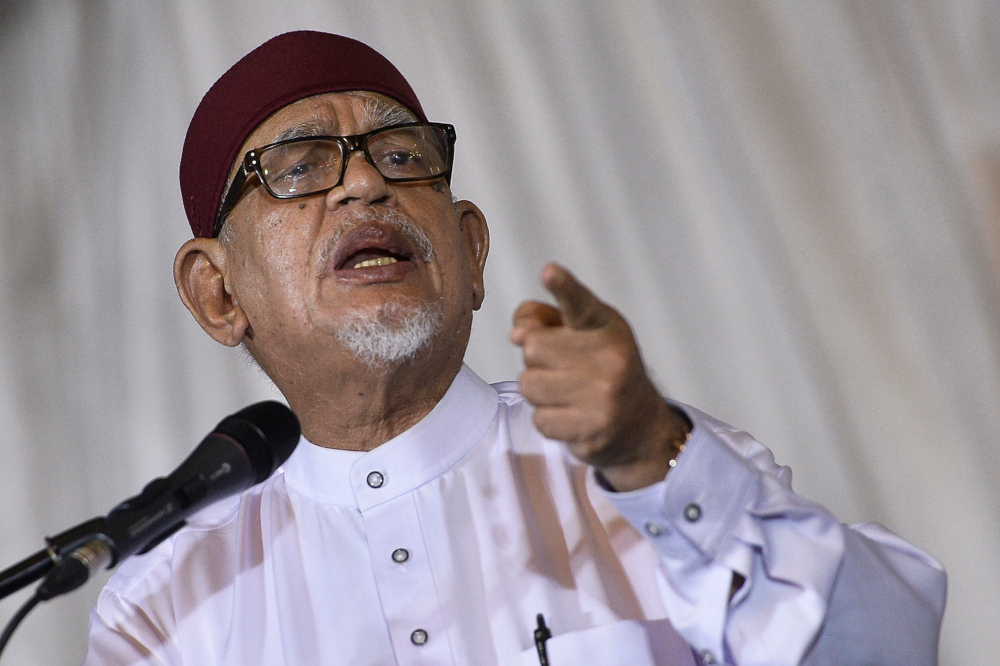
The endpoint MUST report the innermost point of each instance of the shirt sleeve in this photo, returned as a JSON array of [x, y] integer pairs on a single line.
[[112, 643], [816, 591], [124, 633]]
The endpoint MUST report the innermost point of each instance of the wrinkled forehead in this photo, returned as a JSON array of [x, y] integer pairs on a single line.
[[329, 114]]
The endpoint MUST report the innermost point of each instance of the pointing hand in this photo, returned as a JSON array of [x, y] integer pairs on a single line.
[[585, 377]]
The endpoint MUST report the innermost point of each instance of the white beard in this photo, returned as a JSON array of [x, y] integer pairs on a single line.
[[391, 333]]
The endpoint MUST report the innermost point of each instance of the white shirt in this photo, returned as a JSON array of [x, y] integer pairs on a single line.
[[442, 545]]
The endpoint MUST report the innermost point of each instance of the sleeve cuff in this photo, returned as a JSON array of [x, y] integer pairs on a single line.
[[702, 498]]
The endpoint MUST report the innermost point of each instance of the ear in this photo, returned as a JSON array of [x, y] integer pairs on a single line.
[[476, 235], [200, 276]]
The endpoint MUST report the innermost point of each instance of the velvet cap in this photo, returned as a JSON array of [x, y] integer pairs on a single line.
[[280, 71]]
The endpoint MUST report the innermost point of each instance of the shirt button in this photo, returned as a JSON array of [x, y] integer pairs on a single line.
[[400, 555], [654, 529], [707, 657], [375, 480], [692, 512], [419, 637]]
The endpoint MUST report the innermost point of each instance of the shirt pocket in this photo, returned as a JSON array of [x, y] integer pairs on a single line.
[[622, 643]]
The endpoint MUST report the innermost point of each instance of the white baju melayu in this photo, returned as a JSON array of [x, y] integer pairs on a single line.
[[442, 545]]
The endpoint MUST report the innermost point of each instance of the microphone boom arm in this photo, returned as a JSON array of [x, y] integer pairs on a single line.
[[244, 449], [33, 568]]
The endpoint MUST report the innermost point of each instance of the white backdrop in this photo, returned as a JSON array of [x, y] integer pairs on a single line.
[[797, 205]]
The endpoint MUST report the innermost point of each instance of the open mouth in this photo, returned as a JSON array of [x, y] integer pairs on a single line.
[[373, 250], [371, 256]]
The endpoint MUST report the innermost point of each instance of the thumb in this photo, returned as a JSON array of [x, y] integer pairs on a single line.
[[579, 308]]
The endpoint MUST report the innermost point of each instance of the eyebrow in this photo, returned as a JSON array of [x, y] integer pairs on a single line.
[[376, 113], [380, 113], [308, 128]]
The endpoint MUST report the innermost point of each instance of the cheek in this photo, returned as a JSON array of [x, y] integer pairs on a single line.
[[456, 276], [269, 273]]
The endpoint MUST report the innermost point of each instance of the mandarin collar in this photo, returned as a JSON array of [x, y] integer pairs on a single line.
[[428, 449]]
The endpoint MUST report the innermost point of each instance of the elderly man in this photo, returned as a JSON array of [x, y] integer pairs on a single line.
[[427, 517]]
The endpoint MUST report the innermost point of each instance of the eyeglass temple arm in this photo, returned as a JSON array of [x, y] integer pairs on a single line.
[[233, 193]]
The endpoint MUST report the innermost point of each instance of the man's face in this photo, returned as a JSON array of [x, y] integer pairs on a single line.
[[304, 269]]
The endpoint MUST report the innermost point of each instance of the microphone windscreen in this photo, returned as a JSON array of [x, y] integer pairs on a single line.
[[268, 431]]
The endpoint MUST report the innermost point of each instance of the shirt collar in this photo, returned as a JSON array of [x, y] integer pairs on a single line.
[[428, 449]]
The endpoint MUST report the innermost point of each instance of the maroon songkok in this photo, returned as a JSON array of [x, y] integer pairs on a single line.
[[280, 71]]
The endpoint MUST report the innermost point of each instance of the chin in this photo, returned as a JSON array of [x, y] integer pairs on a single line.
[[390, 334]]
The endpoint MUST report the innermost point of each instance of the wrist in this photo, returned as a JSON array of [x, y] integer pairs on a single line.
[[661, 444]]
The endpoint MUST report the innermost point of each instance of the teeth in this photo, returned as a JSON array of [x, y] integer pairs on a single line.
[[377, 261]]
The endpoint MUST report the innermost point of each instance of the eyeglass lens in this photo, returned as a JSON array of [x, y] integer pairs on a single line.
[[405, 153]]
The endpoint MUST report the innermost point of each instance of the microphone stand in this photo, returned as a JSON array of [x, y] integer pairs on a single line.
[[244, 449], [33, 568], [43, 564]]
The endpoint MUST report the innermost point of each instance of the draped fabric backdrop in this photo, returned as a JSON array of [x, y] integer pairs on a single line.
[[796, 205]]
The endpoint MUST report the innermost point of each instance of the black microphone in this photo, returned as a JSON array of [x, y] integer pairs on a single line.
[[243, 450]]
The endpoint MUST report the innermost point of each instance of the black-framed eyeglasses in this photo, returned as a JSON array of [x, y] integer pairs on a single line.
[[314, 164]]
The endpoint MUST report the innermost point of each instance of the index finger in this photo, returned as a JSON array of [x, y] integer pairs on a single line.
[[580, 309]]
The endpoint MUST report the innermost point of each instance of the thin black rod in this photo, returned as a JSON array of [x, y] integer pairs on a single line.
[[25, 573], [35, 567]]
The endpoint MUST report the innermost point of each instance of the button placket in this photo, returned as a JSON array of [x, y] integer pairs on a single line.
[[405, 582]]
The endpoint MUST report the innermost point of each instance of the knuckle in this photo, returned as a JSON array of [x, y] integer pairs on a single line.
[[606, 391], [532, 346], [612, 372]]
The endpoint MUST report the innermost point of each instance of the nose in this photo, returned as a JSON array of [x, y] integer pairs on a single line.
[[362, 182]]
